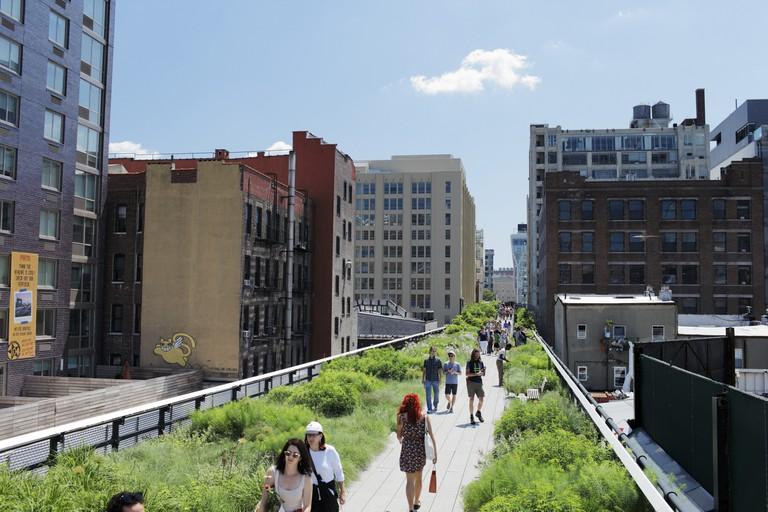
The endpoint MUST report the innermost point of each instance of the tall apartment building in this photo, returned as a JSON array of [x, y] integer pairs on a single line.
[[488, 270], [479, 268], [504, 284], [703, 239], [415, 235], [520, 262], [200, 254], [55, 78], [648, 150]]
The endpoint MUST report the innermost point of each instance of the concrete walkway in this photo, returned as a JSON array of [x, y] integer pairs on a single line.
[[460, 447]]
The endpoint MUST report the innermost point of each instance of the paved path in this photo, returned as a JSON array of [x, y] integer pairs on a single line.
[[381, 487]]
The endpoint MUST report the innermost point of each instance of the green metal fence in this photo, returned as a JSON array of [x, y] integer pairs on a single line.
[[717, 433]]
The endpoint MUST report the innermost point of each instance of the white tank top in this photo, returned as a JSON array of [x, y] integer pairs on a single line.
[[291, 499]]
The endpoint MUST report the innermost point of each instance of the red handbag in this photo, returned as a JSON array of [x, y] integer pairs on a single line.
[[433, 481]]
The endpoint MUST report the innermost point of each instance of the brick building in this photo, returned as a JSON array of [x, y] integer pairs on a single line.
[[701, 238], [55, 79]]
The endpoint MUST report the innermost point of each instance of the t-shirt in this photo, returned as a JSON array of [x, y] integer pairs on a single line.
[[502, 354], [483, 335], [432, 365], [452, 378], [475, 367], [328, 465]]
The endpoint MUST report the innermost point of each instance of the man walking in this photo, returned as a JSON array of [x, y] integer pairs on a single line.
[[430, 377], [452, 370], [474, 374]]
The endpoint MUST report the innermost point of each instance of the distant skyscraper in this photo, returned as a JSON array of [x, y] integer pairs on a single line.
[[648, 150], [520, 262], [415, 234], [488, 270], [479, 273]]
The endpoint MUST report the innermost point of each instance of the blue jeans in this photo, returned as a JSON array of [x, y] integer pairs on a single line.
[[432, 387]]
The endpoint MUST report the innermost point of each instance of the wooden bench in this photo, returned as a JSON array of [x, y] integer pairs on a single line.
[[535, 393]]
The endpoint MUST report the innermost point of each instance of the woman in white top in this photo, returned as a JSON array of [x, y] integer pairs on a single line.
[[291, 479], [327, 464]]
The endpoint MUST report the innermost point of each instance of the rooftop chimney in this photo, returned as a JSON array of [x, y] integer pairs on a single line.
[[701, 118], [221, 154]]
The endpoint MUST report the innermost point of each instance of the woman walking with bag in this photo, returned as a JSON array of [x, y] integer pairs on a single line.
[[291, 479], [412, 428], [327, 471]]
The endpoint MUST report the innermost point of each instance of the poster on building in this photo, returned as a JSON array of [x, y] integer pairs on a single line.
[[23, 306]]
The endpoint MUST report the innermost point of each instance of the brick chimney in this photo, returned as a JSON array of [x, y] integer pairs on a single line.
[[221, 154], [701, 118]]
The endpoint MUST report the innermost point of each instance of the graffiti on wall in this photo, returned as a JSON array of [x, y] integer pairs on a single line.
[[176, 349]]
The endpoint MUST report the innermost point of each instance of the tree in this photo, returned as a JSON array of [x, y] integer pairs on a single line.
[[489, 295]]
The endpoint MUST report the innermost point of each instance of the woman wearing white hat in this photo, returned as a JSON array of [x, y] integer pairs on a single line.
[[328, 473]]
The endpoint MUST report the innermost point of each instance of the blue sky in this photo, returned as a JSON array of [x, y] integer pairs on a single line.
[[190, 76]]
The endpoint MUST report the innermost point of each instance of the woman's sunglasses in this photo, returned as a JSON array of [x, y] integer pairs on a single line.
[[289, 453]]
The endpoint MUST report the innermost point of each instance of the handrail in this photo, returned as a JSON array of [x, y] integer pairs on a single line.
[[609, 430], [57, 435]]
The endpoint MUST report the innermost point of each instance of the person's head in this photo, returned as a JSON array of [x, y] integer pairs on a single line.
[[451, 356], [432, 351], [475, 356], [509, 346], [411, 407], [314, 436], [126, 502], [294, 454]]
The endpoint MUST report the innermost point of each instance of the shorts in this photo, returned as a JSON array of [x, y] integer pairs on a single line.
[[451, 389], [475, 389]]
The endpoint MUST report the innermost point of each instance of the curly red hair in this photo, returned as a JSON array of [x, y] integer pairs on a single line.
[[411, 407]]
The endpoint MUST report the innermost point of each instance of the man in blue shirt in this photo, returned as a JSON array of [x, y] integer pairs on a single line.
[[430, 377]]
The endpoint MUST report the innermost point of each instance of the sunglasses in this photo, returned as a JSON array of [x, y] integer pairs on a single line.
[[289, 453]]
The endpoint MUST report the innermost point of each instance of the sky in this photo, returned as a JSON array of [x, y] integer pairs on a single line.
[[465, 77]]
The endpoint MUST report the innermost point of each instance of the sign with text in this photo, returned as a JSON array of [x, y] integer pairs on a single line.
[[23, 306]]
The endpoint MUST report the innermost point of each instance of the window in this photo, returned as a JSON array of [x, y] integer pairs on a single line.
[[90, 102], [58, 29], [137, 318], [743, 209], [447, 283], [720, 274], [721, 305], [582, 374], [689, 242], [565, 241], [447, 251], [616, 274], [634, 157], [688, 209], [5, 270], [338, 246], [6, 216], [637, 274], [669, 274], [4, 324], [564, 210], [744, 242], [636, 209], [94, 16], [564, 273], [92, 55], [116, 319], [688, 305], [335, 326], [603, 158], [587, 241], [719, 241], [619, 375], [49, 224], [668, 209], [447, 234], [447, 219], [11, 8], [739, 357], [140, 267], [689, 274], [447, 187], [718, 209], [588, 274], [447, 267], [616, 209], [575, 159], [619, 332], [88, 146], [51, 176], [56, 79], [657, 333], [581, 332], [636, 242], [85, 191], [121, 218], [745, 274], [10, 55], [616, 241], [336, 285], [54, 126], [46, 323], [338, 206], [118, 268], [669, 242], [447, 204], [9, 108], [82, 282], [587, 210], [43, 367], [46, 274]]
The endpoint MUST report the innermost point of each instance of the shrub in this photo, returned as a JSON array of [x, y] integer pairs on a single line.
[[524, 319], [327, 397], [540, 496], [562, 448], [383, 363], [552, 412]]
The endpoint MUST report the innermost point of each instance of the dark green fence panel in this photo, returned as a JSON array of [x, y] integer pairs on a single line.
[[748, 446]]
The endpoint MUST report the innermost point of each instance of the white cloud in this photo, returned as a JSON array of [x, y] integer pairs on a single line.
[[129, 148], [500, 67]]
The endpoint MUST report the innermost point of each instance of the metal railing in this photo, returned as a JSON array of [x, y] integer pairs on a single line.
[[127, 427]]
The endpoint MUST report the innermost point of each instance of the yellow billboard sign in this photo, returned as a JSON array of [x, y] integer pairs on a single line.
[[23, 306]]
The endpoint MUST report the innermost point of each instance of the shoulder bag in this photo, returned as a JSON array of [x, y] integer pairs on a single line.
[[324, 495]]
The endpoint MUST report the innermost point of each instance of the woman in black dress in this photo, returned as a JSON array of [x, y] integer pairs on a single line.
[[411, 427]]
